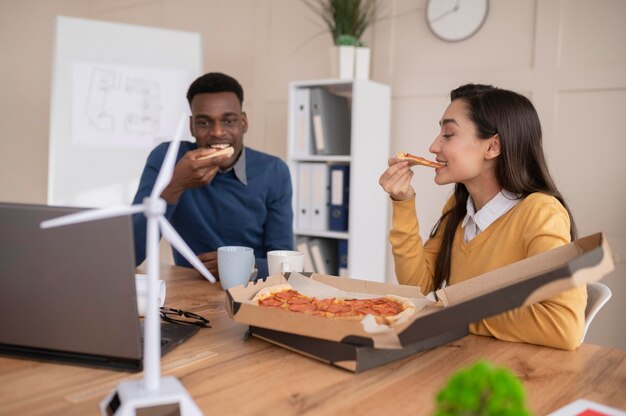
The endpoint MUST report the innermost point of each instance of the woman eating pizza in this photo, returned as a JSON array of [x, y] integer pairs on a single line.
[[505, 208]]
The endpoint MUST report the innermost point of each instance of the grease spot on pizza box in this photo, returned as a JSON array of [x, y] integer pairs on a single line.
[[345, 344]]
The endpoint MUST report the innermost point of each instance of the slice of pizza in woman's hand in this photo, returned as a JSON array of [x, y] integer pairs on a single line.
[[416, 160], [386, 310]]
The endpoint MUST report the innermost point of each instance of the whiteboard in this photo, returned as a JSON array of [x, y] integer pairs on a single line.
[[117, 91]]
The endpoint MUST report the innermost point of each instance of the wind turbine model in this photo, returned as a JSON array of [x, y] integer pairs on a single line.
[[152, 393]]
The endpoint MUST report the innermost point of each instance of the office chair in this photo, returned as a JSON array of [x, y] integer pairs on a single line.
[[598, 295]]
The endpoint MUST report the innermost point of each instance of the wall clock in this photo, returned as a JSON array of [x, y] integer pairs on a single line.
[[456, 20]]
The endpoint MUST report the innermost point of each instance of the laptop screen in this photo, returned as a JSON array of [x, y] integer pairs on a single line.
[[67, 291]]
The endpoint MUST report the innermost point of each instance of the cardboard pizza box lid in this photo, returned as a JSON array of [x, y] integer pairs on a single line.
[[522, 283]]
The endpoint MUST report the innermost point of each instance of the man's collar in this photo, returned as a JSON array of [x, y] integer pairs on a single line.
[[239, 167]]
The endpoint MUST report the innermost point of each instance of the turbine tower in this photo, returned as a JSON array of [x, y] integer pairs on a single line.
[[152, 391]]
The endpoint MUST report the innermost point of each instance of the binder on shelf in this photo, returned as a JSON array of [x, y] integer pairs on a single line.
[[303, 201], [304, 129], [324, 254], [339, 197], [302, 245], [331, 119], [343, 258], [318, 186]]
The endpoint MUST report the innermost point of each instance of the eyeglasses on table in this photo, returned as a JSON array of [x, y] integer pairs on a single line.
[[176, 316]]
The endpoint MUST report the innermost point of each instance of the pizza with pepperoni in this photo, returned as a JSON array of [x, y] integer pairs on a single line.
[[386, 310]]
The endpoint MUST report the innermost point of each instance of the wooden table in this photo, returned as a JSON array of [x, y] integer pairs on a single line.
[[227, 374]]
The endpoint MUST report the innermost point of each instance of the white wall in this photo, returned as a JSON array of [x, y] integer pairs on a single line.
[[567, 55]]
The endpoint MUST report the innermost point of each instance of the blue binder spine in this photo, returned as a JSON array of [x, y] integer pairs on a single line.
[[339, 197], [343, 258]]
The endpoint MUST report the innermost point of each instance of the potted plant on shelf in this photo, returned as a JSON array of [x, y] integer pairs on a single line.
[[347, 20], [482, 389]]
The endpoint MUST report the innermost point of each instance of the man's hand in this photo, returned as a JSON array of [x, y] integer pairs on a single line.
[[396, 180], [192, 173], [210, 262]]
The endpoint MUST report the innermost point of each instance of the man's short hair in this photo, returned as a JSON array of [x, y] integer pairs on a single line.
[[214, 82]]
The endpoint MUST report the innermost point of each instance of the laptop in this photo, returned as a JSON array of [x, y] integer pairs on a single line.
[[67, 294]]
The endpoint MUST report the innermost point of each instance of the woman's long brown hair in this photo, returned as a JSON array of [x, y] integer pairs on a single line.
[[521, 167]]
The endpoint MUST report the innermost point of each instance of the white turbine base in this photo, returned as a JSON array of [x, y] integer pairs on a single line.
[[132, 397]]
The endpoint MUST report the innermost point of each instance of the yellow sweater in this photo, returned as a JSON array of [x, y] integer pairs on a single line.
[[536, 224]]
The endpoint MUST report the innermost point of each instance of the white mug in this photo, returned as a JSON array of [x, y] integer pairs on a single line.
[[141, 286], [284, 261], [234, 264]]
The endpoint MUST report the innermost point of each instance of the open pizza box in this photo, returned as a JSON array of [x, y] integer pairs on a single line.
[[355, 346]]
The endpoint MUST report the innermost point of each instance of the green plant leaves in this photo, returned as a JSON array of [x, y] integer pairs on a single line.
[[482, 390], [347, 40], [345, 18]]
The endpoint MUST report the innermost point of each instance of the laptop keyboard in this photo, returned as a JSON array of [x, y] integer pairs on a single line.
[[172, 335]]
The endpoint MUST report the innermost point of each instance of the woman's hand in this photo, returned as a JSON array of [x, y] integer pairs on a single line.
[[396, 180]]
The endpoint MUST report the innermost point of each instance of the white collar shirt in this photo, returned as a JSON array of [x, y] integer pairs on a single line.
[[476, 222]]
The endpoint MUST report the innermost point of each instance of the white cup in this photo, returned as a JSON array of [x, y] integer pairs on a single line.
[[284, 261], [235, 264], [141, 286]]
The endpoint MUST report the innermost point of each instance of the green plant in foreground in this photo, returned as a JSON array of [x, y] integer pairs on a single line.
[[482, 390]]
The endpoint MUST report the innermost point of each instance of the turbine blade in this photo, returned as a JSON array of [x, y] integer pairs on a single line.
[[92, 215], [175, 239], [167, 168]]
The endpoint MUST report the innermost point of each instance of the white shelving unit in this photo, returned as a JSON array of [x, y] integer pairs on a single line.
[[367, 235]]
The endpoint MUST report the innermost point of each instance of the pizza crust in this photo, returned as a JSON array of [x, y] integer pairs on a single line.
[[407, 312], [227, 151], [417, 160], [270, 291]]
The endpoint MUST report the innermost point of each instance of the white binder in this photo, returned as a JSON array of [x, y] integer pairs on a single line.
[[331, 120], [303, 205], [302, 245], [319, 196], [303, 134], [324, 254]]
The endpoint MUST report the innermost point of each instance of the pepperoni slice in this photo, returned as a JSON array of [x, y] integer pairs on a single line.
[[323, 304], [349, 314], [384, 306], [366, 311], [356, 303], [301, 307], [299, 300], [386, 311], [288, 294], [338, 309], [275, 303]]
